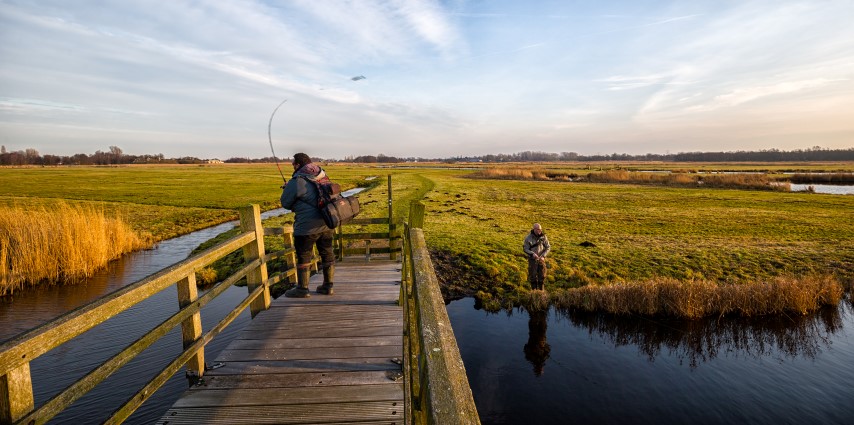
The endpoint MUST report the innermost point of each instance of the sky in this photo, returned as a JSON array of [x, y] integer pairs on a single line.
[[442, 78]]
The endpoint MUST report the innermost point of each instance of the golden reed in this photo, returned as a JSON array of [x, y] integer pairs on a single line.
[[59, 243], [696, 299]]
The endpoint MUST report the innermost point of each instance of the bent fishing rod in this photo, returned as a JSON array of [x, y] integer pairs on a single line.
[[270, 137]]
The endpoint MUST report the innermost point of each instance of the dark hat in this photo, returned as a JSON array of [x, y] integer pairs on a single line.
[[301, 159]]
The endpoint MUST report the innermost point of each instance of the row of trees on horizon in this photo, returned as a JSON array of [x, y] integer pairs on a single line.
[[115, 156]]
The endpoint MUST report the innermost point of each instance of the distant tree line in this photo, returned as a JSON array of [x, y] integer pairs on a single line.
[[115, 156], [771, 155]]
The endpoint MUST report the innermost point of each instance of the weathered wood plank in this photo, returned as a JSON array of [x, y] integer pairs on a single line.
[[302, 319], [303, 343], [382, 412], [228, 354], [211, 397], [306, 379], [250, 221], [301, 366], [325, 309], [450, 398], [305, 330], [16, 394], [384, 330]]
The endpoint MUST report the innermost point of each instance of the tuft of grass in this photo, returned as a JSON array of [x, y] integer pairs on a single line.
[[206, 276], [61, 244]]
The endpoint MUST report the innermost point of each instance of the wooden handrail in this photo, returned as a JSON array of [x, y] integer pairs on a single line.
[[16, 392], [437, 388]]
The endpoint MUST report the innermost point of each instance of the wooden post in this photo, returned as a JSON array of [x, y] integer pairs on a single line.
[[16, 394], [191, 328], [391, 253], [416, 215], [290, 259], [368, 250], [250, 220]]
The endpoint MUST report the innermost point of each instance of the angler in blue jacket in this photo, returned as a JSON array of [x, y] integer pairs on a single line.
[[310, 230]]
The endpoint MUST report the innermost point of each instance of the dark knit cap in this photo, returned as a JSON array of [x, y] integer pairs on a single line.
[[302, 159]]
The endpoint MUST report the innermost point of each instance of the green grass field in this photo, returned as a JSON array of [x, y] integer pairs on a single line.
[[165, 201], [639, 232], [475, 227]]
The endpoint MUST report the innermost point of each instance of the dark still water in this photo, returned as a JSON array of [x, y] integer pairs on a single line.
[[556, 368]]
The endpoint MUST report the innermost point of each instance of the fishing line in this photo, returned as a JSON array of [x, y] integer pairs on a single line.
[[270, 137]]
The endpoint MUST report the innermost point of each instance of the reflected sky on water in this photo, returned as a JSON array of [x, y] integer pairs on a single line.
[[559, 367]]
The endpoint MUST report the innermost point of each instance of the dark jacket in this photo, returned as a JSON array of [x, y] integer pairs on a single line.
[[534, 244], [300, 197]]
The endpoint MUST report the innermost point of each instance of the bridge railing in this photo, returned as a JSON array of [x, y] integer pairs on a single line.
[[16, 390], [436, 389], [365, 246]]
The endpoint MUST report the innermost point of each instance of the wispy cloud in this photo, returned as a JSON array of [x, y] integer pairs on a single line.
[[747, 94]]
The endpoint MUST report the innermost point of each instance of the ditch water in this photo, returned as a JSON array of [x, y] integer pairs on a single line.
[[832, 189], [556, 368]]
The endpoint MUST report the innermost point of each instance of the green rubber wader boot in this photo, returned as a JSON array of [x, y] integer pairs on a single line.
[[328, 276], [301, 291]]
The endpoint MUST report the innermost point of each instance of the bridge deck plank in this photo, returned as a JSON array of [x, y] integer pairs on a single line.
[[324, 359]]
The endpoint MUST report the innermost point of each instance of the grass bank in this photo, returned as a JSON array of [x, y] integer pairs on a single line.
[[60, 244], [606, 235]]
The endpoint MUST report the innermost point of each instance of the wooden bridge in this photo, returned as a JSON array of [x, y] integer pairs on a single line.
[[312, 360], [381, 350]]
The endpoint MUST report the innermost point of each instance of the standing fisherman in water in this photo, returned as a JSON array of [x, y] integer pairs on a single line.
[[536, 247], [300, 197]]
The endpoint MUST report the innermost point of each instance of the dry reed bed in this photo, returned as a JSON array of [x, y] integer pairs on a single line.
[[62, 244], [696, 299], [744, 180]]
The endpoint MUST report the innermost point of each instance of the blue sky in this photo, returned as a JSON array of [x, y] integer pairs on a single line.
[[443, 78]]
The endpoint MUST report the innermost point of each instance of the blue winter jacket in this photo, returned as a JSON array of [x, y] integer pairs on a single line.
[[300, 197]]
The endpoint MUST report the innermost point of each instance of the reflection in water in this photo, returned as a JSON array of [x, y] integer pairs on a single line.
[[703, 340], [537, 349]]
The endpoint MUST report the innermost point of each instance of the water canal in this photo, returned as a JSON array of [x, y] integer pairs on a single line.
[[557, 368]]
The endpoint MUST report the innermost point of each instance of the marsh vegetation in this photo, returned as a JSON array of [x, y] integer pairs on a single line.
[[60, 243]]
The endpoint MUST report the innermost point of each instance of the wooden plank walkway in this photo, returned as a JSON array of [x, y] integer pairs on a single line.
[[325, 359]]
